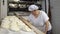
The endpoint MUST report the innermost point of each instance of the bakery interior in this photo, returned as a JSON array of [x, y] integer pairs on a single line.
[[19, 8]]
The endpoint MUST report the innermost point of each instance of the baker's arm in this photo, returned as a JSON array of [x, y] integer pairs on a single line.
[[46, 27]]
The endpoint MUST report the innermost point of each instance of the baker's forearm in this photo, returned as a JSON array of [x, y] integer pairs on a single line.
[[46, 28]]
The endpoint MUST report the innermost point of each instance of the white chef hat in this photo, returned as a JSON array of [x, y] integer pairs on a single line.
[[33, 7]]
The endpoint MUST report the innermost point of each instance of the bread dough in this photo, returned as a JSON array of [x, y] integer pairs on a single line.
[[13, 24]]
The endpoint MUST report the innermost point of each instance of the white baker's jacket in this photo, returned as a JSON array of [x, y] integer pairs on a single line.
[[39, 22]]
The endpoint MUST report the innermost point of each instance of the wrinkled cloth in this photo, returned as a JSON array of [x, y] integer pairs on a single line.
[[6, 31], [12, 25]]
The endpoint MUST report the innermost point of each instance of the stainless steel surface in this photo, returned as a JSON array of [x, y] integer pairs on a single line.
[[20, 13]]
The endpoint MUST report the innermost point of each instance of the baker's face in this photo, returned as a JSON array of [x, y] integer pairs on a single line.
[[35, 12]]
